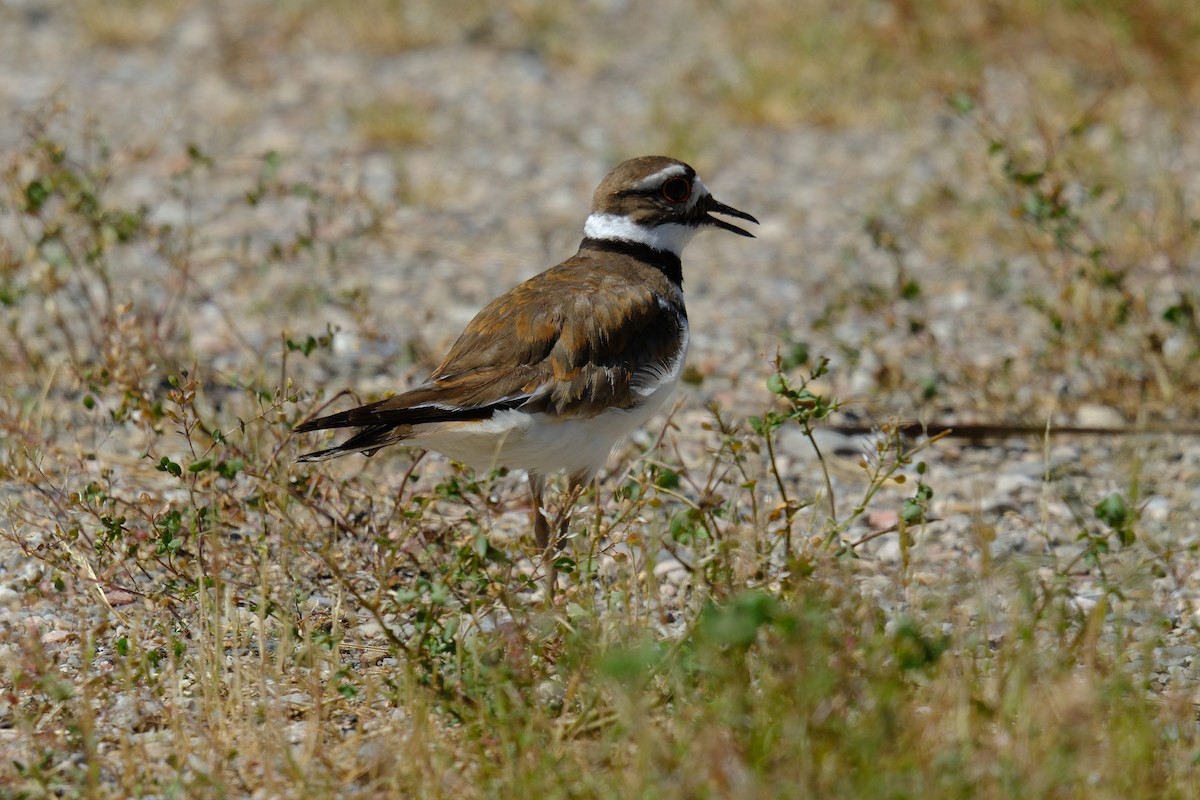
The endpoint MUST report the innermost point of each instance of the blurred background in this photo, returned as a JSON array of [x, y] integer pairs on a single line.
[[969, 205], [217, 215]]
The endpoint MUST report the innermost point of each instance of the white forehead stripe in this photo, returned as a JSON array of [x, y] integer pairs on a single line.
[[698, 190], [660, 176], [671, 237], [675, 170]]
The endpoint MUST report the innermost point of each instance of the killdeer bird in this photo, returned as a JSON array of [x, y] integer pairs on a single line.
[[552, 374]]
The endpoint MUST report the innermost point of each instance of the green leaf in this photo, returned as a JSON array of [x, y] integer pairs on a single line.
[[37, 192], [666, 479], [913, 512], [272, 161], [306, 347], [683, 525], [631, 665], [796, 355], [961, 102], [737, 624], [1113, 511], [198, 156], [230, 467], [1179, 314], [169, 466], [439, 595], [913, 648]]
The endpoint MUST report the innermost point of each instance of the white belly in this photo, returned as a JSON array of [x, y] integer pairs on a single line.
[[545, 444]]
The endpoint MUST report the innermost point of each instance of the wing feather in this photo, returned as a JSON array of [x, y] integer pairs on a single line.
[[581, 338]]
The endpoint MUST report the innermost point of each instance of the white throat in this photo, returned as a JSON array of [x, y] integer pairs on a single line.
[[671, 237]]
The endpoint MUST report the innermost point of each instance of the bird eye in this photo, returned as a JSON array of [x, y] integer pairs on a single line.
[[676, 190]]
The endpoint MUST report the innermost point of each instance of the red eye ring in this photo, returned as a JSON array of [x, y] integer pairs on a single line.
[[676, 190]]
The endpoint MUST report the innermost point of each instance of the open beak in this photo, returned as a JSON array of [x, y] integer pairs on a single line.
[[712, 206]]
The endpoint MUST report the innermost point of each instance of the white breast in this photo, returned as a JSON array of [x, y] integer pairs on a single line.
[[547, 445]]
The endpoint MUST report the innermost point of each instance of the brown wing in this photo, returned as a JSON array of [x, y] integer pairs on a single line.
[[577, 339]]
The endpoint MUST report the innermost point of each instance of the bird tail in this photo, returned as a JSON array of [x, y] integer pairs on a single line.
[[365, 441], [393, 420]]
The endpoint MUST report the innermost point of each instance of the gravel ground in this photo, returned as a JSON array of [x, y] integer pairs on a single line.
[[494, 186]]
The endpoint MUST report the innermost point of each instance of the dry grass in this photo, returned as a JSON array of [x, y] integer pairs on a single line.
[[1099, 253], [129, 23], [817, 62], [392, 124], [836, 63], [208, 618]]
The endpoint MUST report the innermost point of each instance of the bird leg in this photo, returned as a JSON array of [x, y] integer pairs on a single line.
[[563, 518], [541, 528], [550, 547]]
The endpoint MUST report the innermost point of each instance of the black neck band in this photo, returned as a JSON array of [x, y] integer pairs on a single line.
[[663, 260]]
